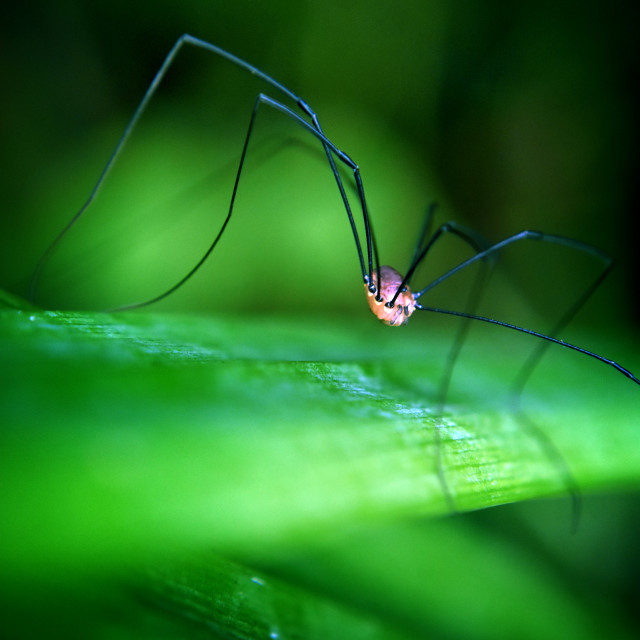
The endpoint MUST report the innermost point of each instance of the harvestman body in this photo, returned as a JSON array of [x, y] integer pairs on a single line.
[[387, 291]]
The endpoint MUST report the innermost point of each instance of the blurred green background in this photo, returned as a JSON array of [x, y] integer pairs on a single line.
[[509, 115]]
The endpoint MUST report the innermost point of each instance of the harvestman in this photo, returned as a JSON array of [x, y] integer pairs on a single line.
[[387, 290], [388, 293]]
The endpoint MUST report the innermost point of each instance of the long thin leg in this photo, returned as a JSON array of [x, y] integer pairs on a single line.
[[544, 237], [566, 318], [532, 362], [472, 238], [331, 149], [425, 242], [562, 343], [517, 237], [425, 233], [328, 145], [547, 446], [314, 127]]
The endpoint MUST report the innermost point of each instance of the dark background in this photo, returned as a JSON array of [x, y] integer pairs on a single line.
[[510, 115]]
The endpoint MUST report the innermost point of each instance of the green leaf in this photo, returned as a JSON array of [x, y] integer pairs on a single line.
[[129, 433]]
